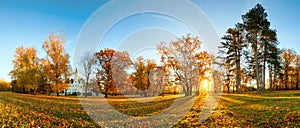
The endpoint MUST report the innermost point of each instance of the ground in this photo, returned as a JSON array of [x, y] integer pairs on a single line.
[[276, 109]]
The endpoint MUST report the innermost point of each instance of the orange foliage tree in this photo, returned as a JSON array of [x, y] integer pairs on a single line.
[[111, 71], [57, 62], [104, 71]]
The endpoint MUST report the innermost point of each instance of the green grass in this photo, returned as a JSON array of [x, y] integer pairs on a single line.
[[280, 109], [276, 109]]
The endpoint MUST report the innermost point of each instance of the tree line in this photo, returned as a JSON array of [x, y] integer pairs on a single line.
[[182, 64], [4, 86], [250, 49], [114, 72]]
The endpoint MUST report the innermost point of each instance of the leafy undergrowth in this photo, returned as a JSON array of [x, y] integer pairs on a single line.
[[277, 109], [17, 110], [133, 108]]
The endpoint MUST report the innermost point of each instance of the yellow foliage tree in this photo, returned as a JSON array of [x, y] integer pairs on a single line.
[[26, 70], [179, 56]]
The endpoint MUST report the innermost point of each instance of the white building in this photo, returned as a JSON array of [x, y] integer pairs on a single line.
[[76, 85]]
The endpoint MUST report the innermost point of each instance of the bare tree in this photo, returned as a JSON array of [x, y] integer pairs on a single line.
[[87, 61]]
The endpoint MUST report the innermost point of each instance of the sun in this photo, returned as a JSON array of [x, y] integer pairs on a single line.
[[205, 85]]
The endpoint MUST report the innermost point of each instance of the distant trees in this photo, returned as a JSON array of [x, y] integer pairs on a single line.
[[5, 86], [297, 71], [183, 64], [288, 57], [140, 77], [147, 77]]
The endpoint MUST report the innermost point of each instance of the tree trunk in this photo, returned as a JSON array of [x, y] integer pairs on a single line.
[[187, 91], [86, 88], [184, 89], [270, 77], [275, 80], [264, 73], [297, 80], [228, 89], [106, 91], [286, 80], [66, 92], [256, 65], [57, 92], [238, 75], [34, 92]]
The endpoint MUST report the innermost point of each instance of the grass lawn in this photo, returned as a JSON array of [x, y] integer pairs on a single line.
[[279, 109]]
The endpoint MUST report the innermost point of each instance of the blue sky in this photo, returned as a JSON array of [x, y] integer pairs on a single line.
[[28, 22]]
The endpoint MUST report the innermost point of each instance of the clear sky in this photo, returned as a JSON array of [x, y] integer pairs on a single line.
[[28, 22]]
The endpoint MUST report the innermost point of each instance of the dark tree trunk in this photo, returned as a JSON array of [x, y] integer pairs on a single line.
[[257, 66], [297, 80], [238, 72], [270, 77], [106, 91], [228, 89], [86, 86], [275, 81], [264, 74], [286, 80]]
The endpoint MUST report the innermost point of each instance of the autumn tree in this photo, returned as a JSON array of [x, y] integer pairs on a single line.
[[288, 57], [158, 80], [44, 87], [179, 56], [217, 77], [104, 70], [138, 77], [204, 61], [57, 62], [121, 62], [26, 70], [147, 77], [297, 71]]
